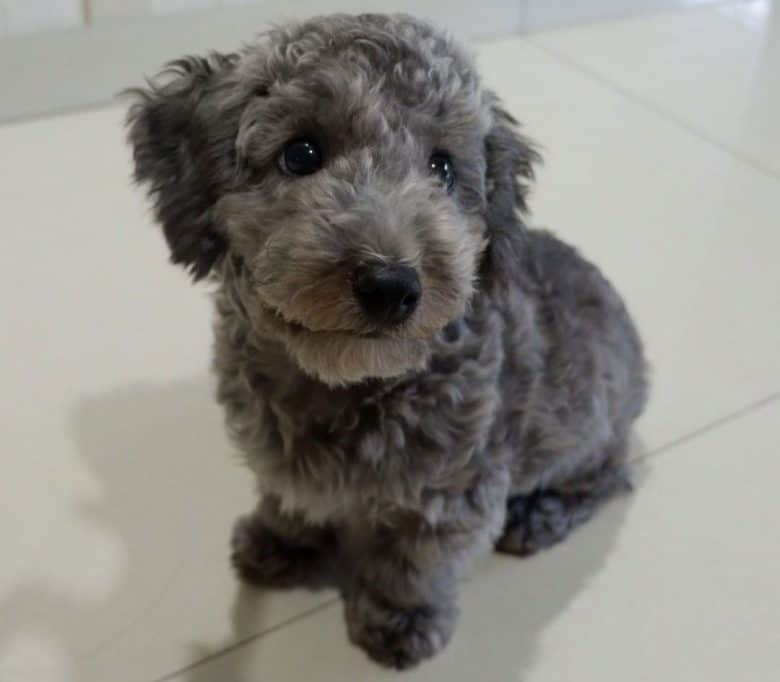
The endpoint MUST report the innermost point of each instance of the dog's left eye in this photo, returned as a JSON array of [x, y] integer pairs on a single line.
[[441, 165], [301, 157]]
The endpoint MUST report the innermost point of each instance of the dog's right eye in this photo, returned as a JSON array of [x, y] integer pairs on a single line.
[[301, 157], [441, 165]]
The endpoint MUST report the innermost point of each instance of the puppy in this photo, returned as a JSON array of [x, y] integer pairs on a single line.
[[412, 374]]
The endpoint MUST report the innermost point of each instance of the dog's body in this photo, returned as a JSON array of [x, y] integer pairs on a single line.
[[495, 405]]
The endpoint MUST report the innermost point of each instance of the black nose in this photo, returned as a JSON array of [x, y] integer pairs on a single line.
[[387, 293]]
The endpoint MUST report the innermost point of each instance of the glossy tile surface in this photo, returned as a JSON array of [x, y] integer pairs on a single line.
[[714, 70], [119, 486]]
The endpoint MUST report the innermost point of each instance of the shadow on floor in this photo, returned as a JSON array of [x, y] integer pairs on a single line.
[[162, 469]]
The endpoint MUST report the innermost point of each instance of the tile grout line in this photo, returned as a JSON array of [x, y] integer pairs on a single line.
[[58, 112], [241, 643], [647, 105], [709, 427]]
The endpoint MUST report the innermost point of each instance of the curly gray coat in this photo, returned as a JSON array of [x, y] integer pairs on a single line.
[[495, 413]]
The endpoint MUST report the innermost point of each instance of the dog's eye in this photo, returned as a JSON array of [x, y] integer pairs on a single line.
[[441, 165], [301, 157]]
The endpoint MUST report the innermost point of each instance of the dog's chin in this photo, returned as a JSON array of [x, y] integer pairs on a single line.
[[338, 357]]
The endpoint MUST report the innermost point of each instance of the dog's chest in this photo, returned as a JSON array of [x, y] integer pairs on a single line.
[[366, 451], [317, 507], [361, 457], [406, 449]]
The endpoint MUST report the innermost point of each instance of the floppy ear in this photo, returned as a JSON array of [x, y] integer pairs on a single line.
[[510, 159], [182, 130]]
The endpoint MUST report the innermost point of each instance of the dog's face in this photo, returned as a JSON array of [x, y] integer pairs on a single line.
[[336, 177]]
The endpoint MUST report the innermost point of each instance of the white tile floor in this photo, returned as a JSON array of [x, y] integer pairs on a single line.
[[663, 164]]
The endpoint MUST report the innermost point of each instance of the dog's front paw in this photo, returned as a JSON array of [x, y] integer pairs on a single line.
[[398, 637], [262, 557]]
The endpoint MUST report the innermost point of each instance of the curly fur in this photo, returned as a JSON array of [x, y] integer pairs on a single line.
[[498, 413]]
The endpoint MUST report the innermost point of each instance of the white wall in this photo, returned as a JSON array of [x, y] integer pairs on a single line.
[[101, 10], [42, 72], [27, 16], [549, 14], [478, 17]]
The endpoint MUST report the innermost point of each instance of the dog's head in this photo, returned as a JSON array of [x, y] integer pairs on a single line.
[[347, 178]]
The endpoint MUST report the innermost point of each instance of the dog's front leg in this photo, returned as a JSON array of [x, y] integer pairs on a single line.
[[402, 605], [276, 549]]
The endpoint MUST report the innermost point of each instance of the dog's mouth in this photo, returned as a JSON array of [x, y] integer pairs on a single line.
[[282, 322], [341, 357]]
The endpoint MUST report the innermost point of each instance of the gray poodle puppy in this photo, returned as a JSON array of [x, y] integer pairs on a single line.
[[413, 375]]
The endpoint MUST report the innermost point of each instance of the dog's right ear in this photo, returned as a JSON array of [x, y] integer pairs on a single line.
[[182, 129]]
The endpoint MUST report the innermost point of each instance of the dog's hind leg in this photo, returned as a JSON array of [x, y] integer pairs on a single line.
[[275, 549], [544, 517]]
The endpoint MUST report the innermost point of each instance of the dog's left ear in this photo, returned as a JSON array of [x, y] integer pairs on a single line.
[[510, 159], [182, 130]]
